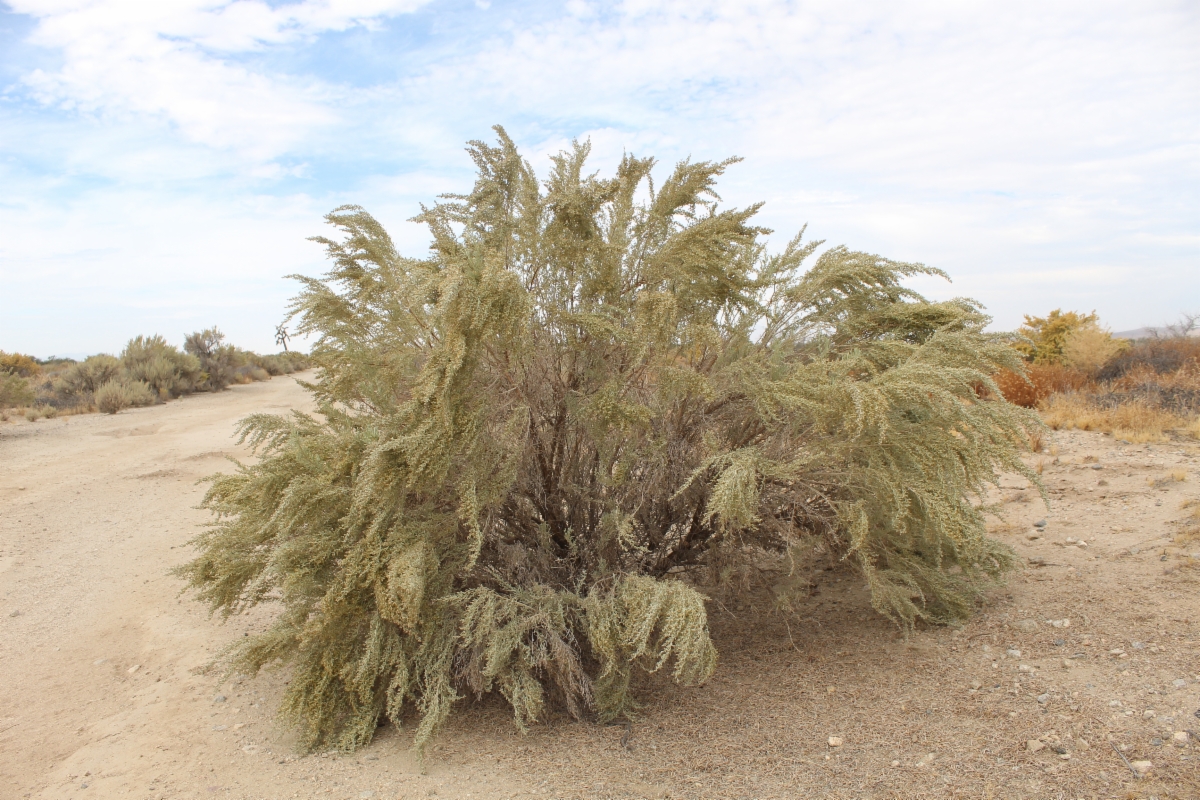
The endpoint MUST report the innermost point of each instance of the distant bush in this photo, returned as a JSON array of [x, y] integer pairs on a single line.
[[218, 361], [1162, 355], [117, 395], [63, 385], [83, 378], [169, 372], [1039, 381], [15, 391], [18, 364], [1047, 336], [1089, 347]]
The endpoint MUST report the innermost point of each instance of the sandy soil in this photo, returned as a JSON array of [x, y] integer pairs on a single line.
[[102, 697]]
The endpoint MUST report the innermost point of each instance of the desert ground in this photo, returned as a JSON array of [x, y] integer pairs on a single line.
[[1083, 667]]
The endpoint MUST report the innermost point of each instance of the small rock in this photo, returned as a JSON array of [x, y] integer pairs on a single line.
[[1059, 623], [366, 794], [1148, 714], [1083, 744], [1180, 738], [1179, 683], [1097, 466], [1138, 645], [1141, 767], [16, 612], [83, 786], [835, 741], [1033, 746], [895, 763], [219, 698], [1012, 653], [1067, 663], [1156, 742], [238, 726], [1041, 523], [1026, 625], [218, 727], [1044, 698], [134, 668], [976, 685]]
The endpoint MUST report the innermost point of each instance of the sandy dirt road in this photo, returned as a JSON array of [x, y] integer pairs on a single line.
[[101, 696]]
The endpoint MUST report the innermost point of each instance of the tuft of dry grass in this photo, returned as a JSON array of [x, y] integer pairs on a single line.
[[1135, 421]]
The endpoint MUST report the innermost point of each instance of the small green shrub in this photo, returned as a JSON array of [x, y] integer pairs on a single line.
[[117, 395], [15, 391], [538, 448]]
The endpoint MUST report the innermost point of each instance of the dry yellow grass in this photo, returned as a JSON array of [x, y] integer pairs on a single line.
[[1134, 422]]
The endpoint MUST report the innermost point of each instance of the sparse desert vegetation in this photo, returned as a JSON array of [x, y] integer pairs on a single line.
[[1080, 377], [149, 370]]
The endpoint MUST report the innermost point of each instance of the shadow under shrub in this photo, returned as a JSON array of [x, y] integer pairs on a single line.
[[538, 446]]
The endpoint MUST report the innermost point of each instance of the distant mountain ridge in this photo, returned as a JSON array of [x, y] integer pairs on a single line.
[[1147, 333]]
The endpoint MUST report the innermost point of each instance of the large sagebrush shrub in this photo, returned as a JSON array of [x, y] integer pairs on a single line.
[[594, 400], [218, 360], [166, 370], [81, 379]]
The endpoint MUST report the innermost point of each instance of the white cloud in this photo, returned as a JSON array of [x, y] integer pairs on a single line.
[[1045, 154], [172, 60]]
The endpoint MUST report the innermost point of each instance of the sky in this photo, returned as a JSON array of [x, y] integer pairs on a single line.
[[163, 162]]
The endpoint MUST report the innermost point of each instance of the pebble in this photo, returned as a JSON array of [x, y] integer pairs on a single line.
[[1041, 523], [1097, 466], [218, 727], [1179, 683], [976, 685], [1033, 746], [1013, 653], [16, 612], [1044, 698], [1141, 767], [1180, 738], [134, 668], [219, 698], [1067, 663], [1148, 714], [1059, 623], [835, 741]]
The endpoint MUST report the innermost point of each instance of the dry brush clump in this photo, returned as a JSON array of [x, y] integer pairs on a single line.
[[594, 401], [1081, 377], [149, 370]]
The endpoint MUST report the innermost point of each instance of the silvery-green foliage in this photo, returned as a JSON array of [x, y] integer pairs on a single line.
[[594, 398], [162, 366]]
